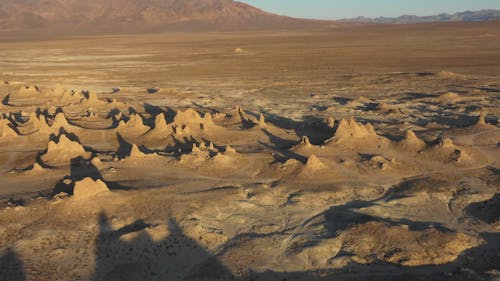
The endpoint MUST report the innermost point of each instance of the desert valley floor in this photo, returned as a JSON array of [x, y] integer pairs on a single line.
[[358, 153]]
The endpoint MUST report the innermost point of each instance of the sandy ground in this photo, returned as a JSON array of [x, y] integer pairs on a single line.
[[366, 153]]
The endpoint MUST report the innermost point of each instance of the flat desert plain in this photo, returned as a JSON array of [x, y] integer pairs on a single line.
[[354, 153]]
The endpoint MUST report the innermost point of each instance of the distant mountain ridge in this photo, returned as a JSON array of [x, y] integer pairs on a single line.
[[55, 18], [467, 16], [136, 16]]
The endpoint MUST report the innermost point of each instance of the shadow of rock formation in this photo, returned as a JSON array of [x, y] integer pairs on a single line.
[[139, 257], [487, 211], [11, 267], [135, 252], [131, 254]]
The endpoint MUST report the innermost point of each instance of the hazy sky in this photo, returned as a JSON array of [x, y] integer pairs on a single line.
[[335, 9]]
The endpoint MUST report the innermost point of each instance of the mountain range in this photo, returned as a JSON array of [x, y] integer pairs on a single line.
[[135, 16], [89, 17], [467, 16]]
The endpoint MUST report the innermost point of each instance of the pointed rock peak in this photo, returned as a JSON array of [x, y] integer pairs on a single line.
[[122, 124], [346, 123], [313, 162], [96, 161], [37, 168], [410, 135], [262, 120], [349, 128], [240, 116], [239, 110], [208, 118], [88, 187], [188, 116], [219, 115], [411, 138], [203, 146], [305, 141], [135, 124], [43, 126], [135, 119], [63, 139], [412, 141], [160, 121], [33, 88], [63, 151], [118, 116], [195, 149], [60, 121], [229, 149], [481, 119], [91, 113], [330, 121], [446, 142], [6, 129], [211, 146], [161, 125], [370, 128], [135, 151], [197, 154], [64, 143]]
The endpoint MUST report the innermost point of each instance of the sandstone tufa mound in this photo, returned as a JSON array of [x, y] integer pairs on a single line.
[[61, 153], [88, 187]]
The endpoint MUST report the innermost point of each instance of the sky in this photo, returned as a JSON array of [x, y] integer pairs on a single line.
[[337, 9]]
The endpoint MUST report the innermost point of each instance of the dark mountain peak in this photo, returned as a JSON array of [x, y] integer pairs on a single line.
[[482, 15]]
